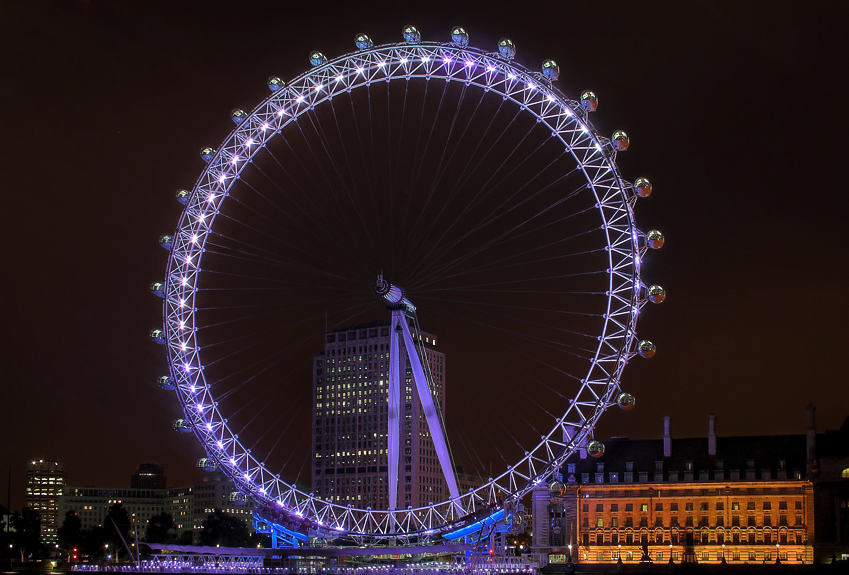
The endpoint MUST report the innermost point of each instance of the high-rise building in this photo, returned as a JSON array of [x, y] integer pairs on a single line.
[[45, 480], [350, 421], [148, 476]]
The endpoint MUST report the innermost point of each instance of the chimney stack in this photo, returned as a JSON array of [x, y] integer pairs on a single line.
[[712, 435], [812, 434], [667, 437]]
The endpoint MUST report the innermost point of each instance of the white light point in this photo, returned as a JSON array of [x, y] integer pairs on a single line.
[[185, 281], [192, 388], [264, 127], [381, 64], [425, 58], [209, 427], [446, 60], [220, 445], [210, 198], [183, 346], [247, 477], [232, 461], [280, 113], [532, 86], [187, 367], [249, 143], [469, 63], [339, 78], [199, 407], [194, 239], [201, 217], [182, 323], [299, 99], [511, 76], [585, 130], [360, 70], [490, 69], [550, 98], [235, 160], [182, 304], [318, 87]]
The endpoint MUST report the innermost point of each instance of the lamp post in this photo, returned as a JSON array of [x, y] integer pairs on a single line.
[[670, 553], [723, 554], [777, 554], [619, 561]]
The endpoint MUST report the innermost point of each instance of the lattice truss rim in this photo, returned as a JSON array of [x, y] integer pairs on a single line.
[[616, 345]]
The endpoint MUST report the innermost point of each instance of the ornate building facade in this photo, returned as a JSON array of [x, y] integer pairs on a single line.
[[705, 500]]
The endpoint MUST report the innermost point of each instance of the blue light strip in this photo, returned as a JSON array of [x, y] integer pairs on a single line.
[[475, 527]]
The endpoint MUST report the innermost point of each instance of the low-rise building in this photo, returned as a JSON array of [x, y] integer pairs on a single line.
[[704, 500]]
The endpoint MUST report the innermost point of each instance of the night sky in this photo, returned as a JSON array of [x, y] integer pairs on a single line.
[[734, 113]]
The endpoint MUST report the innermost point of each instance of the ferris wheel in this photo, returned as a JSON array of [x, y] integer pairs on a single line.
[[437, 189]]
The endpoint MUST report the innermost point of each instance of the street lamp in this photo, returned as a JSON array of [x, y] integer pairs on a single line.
[[723, 554], [777, 554], [670, 553]]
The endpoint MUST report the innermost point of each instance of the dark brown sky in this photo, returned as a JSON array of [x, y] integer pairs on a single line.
[[734, 109]]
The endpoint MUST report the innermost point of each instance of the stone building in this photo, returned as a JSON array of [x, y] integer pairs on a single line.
[[703, 500]]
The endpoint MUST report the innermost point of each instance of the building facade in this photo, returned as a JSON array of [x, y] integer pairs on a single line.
[[45, 482], [350, 418], [705, 500], [188, 505], [91, 505]]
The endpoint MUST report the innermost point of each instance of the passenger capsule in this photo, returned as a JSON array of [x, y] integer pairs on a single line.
[[411, 35], [642, 187], [206, 464], [166, 241], [157, 336], [317, 58], [655, 239], [182, 196], [656, 294], [506, 48], [363, 42], [165, 383], [459, 37], [158, 289], [275, 83], [646, 348], [595, 448], [238, 498], [238, 115], [556, 489], [626, 401], [589, 100], [551, 70], [620, 141], [182, 426], [206, 153]]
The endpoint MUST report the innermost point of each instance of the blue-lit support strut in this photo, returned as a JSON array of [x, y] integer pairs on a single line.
[[280, 536]]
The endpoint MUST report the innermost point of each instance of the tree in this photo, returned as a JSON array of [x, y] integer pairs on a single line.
[[160, 529], [219, 528], [120, 519], [27, 535], [186, 538], [70, 534]]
